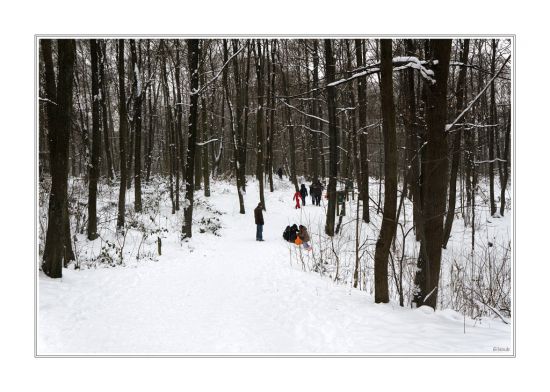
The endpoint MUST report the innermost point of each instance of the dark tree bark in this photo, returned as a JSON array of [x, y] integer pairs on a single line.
[[204, 131], [435, 179], [494, 120], [260, 121], [504, 170], [58, 250], [104, 92], [333, 139], [318, 108], [460, 98], [235, 121], [123, 130], [150, 112], [314, 122], [138, 97], [178, 164], [387, 230], [193, 55], [290, 126], [271, 123], [96, 144], [169, 124], [363, 133]]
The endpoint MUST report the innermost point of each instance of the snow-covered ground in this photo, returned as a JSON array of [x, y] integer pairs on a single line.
[[231, 294]]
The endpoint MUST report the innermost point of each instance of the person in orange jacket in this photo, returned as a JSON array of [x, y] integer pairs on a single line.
[[297, 197]]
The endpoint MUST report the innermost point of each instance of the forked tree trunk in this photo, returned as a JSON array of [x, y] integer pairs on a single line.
[[435, 181]]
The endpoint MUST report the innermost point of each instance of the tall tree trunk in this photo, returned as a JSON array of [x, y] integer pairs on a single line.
[[96, 144], [460, 98], [137, 87], [260, 121], [387, 230], [176, 133], [435, 179], [193, 55], [363, 132], [290, 126], [58, 250], [505, 164], [314, 122], [123, 129], [333, 139], [494, 120], [204, 127], [104, 92], [235, 121], [271, 127], [169, 123], [150, 112]]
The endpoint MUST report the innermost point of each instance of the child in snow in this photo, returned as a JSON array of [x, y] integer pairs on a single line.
[[304, 236], [297, 197]]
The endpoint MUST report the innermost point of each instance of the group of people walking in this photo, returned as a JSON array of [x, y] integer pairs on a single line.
[[293, 233], [315, 191]]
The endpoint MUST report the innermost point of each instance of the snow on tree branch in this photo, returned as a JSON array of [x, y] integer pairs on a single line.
[[206, 142], [304, 113], [453, 124]]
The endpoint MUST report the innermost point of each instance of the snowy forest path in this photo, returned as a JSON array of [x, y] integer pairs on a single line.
[[232, 294]]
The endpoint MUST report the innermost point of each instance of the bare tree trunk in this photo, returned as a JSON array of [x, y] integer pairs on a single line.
[[387, 230], [193, 55], [204, 127], [363, 132], [104, 92], [236, 122], [260, 121], [460, 98], [436, 177], [333, 139], [505, 165], [137, 87], [58, 250], [271, 127], [96, 145], [494, 120], [123, 128], [169, 123], [150, 134]]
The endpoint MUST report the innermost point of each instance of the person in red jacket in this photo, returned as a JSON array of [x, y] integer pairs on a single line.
[[297, 197]]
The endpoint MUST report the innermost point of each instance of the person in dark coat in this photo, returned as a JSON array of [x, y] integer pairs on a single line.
[[303, 193], [259, 219], [293, 233], [280, 173], [317, 192]]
